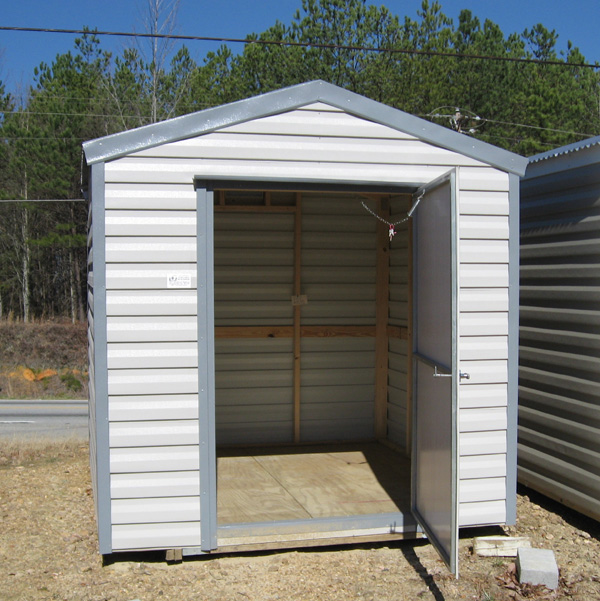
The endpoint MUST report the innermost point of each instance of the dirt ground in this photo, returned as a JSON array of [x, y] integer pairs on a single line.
[[48, 551]]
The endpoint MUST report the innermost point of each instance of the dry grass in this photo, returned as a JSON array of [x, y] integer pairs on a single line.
[[49, 551], [21, 452], [46, 359]]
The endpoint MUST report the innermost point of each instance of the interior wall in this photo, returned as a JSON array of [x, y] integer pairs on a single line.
[[398, 349], [254, 274], [338, 277], [254, 283]]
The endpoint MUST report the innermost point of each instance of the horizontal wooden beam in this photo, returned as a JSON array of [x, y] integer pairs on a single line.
[[400, 332], [306, 332], [254, 332], [254, 209]]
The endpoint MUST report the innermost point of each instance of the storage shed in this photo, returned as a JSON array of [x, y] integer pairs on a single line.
[[271, 364], [559, 374]]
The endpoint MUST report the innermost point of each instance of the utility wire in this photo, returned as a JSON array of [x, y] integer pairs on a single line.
[[412, 51]]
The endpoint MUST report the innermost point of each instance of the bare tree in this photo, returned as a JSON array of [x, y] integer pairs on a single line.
[[159, 18]]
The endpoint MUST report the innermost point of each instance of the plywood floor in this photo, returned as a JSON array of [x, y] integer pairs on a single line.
[[291, 483]]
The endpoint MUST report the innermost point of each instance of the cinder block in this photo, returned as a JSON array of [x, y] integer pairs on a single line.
[[537, 566]]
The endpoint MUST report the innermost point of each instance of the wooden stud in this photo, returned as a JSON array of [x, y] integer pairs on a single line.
[[221, 198], [267, 198], [381, 321], [297, 310]]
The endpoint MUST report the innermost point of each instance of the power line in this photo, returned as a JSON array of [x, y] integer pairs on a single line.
[[195, 38]]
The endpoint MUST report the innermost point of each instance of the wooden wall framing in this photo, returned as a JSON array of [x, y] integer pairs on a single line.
[[381, 331]]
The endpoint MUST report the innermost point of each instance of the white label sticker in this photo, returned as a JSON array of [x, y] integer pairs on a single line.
[[179, 280]]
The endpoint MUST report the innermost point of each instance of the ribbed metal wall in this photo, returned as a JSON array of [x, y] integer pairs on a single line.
[[398, 316], [254, 274], [559, 371]]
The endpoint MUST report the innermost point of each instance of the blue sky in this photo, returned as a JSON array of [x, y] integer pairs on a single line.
[[577, 20]]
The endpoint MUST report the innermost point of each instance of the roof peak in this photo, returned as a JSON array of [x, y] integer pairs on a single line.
[[287, 99]]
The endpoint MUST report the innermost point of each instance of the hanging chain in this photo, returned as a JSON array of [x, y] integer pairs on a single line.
[[392, 224]]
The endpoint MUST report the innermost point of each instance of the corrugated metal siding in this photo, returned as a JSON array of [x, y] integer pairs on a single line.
[[152, 361], [254, 275], [559, 382], [337, 235], [397, 416], [161, 179]]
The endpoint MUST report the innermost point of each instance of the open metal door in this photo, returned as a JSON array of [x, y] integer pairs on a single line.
[[435, 377]]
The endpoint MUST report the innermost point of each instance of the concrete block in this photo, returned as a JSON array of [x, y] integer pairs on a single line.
[[499, 546], [537, 566]]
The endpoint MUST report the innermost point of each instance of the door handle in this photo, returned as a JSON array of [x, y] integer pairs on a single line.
[[462, 375]]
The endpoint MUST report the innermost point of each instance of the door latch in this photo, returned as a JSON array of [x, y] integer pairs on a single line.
[[437, 374], [461, 374]]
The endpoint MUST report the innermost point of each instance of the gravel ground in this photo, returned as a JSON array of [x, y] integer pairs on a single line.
[[48, 551]]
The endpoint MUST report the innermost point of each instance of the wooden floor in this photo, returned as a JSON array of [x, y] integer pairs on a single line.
[[304, 482]]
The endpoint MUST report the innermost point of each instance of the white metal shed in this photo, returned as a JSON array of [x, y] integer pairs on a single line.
[[264, 356]]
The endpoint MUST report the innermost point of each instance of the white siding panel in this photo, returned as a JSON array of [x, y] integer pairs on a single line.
[[476, 202], [150, 197], [483, 179], [473, 443], [159, 171], [147, 302], [153, 433], [156, 381], [148, 355], [150, 223], [483, 395], [155, 484], [150, 250], [482, 489], [482, 419], [484, 324], [471, 275], [152, 329], [479, 514], [483, 251], [319, 124], [148, 511], [482, 466], [152, 407], [485, 372], [483, 227], [303, 148], [483, 299], [152, 276], [483, 348], [154, 459], [156, 536]]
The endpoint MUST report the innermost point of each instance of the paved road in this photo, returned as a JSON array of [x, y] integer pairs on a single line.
[[44, 419]]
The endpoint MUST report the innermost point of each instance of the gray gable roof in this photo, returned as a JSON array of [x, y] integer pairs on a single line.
[[286, 99], [585, 153]]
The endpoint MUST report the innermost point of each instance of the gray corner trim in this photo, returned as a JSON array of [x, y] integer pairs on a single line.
[[206, 369], [513, 351], [100, 360], [187, 126]]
